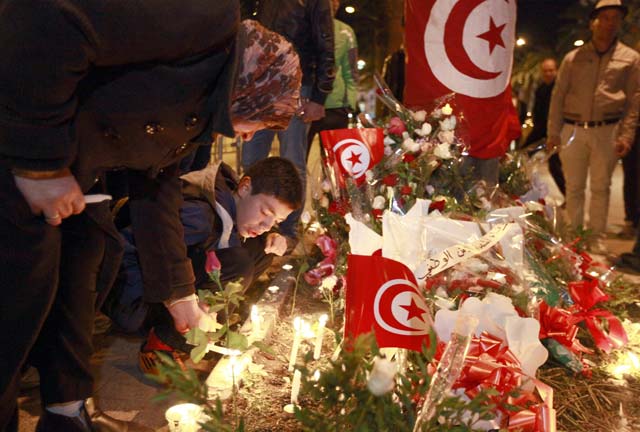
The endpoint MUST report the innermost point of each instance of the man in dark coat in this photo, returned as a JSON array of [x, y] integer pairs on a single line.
[[548, 72], [87, 86]]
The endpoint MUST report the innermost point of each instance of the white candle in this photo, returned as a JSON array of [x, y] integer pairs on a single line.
[[297, 324], [318, 345], [295, 386], [184, 417], [255, 323]]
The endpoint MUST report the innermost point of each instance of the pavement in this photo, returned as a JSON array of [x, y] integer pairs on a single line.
[[123, 392]]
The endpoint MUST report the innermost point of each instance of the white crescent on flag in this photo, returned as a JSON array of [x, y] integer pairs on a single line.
[[354, 156], [399, 308], [468, 45]]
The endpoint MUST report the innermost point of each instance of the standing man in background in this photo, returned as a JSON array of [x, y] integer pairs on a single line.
[[548, 72], [308, 25], [593, 115], [341, 102]]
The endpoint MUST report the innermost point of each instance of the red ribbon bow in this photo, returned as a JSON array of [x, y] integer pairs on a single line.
[[586, 294]]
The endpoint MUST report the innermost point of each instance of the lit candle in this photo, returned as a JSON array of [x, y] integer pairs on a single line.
[[255, 323], [318, 345], [295, 386], [297, 324], [184, 417]]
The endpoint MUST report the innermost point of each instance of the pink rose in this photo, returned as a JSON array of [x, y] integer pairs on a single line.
[[212, 264], [396, 126]]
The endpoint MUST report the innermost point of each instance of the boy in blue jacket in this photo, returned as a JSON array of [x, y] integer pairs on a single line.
[[220, 212]]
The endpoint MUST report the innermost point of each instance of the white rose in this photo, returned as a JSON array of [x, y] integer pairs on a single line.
[[419, 116], [410, 145], [447, 110], [430, 190], [424, 130], [326, 185], [388, 150], [448, 123], [368, 175], [388, 140], [329, 282], [379, 202], [305, 217], [405, 135], [446, 136], [442, 151], [324, 201], [382, 378]]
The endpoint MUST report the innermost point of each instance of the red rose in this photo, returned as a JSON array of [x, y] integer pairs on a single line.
[[437, 205], [406, 190], [408, 157], [390, 180], [396, 126], [337, 208], [377, 213]]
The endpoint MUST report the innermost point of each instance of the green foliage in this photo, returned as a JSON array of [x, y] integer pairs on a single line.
[[341, 401]]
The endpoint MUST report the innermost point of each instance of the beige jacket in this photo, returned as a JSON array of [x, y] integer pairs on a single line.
[[590, 87]]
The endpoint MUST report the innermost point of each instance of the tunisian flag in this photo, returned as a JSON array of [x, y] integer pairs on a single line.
[[465, 47], [351, 152], [382, 296]]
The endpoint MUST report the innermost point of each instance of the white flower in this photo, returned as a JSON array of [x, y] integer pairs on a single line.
[[410, 145], [430, 190], [436, 113], [448, 124], [388, 140], [534, 206], [446, 136], [383, 377], [425, 130], [368, 175], [447, 110], [442, 151], [326, 185], [379, 202], [388, 150], [305, 217], [419, 116], [324, 201], [329, 282]]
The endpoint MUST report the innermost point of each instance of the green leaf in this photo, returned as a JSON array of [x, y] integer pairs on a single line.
[[264, 348], [237, 341], [198, 353], [195, 336]]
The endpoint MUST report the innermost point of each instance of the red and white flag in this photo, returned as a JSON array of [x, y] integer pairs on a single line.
[[465, 47], [382, 296], [351, 152]]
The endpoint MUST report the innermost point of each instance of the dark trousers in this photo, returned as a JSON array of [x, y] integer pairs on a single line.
[[631, 187], [335, 118], [555, 168], [48, 277]]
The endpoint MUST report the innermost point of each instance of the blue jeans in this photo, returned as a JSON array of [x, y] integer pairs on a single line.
[[293, 146]]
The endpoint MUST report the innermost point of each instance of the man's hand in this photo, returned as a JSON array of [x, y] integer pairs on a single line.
[[188, 314], [553, 143], [55, 198], [275, 244], [623, 146], [312, 111]]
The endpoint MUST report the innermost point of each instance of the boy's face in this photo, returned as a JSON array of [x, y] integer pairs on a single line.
[[257, 214]]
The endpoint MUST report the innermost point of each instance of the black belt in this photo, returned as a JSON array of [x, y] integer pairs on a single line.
[[591, 124]]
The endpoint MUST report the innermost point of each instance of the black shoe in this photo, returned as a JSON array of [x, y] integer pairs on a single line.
[[628, 263], [104, 423]]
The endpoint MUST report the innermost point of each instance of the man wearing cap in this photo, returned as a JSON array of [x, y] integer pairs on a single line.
[[593, 115]]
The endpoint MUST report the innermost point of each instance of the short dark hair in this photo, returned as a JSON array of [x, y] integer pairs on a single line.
[[277, 177]]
